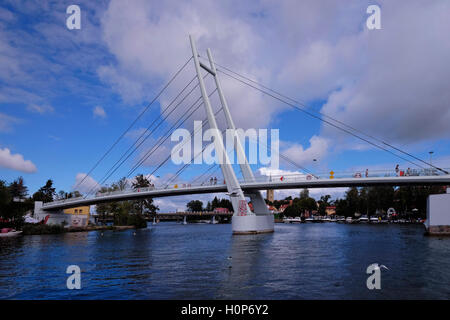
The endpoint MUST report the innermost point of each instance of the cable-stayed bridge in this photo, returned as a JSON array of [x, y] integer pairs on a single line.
[[244, 219]]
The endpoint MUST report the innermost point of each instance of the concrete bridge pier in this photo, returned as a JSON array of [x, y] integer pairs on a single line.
[[438, 214], [252, 224]]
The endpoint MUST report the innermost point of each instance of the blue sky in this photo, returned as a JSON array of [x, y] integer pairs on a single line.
[[66, 95]]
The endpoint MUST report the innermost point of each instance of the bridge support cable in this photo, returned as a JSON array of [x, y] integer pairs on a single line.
[[167, 134], [178, 173], [123, 161], [138, 142], [304, 106], [292, 162], [134, 122], [321, 119], [204, 122], [212, 173], [116, 166], [338, 121], [204, 173]]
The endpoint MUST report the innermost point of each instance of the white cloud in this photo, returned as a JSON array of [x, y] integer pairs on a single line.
[[7, 122], [98, 111], [40, 108], [6, 15], [55, 138], [384, 82], [317, 150], [15, 162], [155, 43], [89, 184]]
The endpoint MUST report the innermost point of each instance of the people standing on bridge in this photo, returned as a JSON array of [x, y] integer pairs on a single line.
[[215, 180], [408, 171], [367, 173], [211, 181], [396, 170]]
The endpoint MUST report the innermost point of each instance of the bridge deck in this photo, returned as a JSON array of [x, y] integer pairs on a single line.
[[287, 183]]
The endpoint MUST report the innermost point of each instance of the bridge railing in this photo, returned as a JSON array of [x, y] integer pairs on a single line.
[[274, 178], [349, 174]]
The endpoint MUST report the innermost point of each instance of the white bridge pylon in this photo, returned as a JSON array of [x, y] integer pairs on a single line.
[[244, 221]]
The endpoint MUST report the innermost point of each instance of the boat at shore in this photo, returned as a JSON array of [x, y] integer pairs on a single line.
[[374, 220], [364, 219], [292, 220], [8, 233]]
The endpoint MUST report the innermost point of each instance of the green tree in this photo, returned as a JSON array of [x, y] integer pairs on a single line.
[[304, 193], [307, 204], [5, 199], [323, 204], [143, 205], [45, 193], [352, 200], [194, 205]]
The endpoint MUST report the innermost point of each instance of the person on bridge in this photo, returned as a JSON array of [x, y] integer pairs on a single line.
[[396, 170], [367, 173], [211, 181], [215, 180]]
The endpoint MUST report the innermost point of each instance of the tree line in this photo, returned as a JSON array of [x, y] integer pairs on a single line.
[[406, 200], [128, 212], [197, 205], [15, 201]]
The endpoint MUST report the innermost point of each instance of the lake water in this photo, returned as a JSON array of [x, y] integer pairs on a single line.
[[200, 261]]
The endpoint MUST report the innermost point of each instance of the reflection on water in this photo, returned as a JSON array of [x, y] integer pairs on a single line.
[[173, 261]]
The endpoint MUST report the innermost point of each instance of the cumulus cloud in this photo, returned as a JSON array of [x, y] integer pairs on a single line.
[[15, 162], [155, 42], [388, 82], [88, 184], [317, 150], [99, 112]]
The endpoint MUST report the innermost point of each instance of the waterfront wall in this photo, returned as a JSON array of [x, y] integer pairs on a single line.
[[55, 217], [438, 214]]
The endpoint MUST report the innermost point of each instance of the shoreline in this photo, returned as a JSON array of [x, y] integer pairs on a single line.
[[56, 229]]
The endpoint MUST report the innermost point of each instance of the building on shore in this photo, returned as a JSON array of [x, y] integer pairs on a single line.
[[78, 216], [330, 210]]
